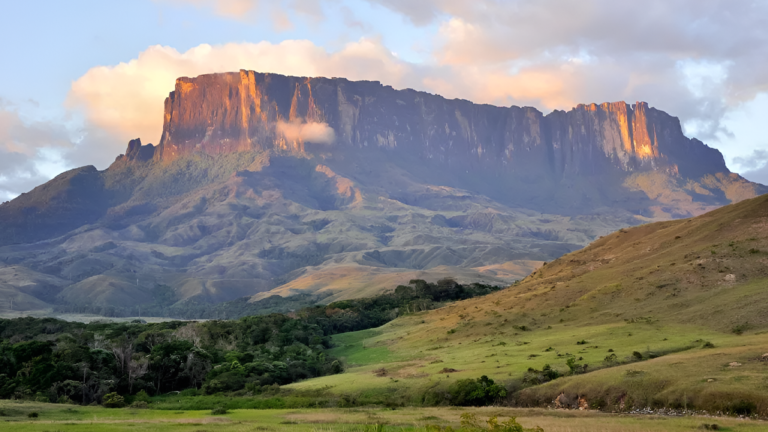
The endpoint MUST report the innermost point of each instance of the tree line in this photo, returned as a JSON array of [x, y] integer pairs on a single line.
[[47, 359]]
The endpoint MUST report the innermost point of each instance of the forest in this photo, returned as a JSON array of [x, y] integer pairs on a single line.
[[52, 360]]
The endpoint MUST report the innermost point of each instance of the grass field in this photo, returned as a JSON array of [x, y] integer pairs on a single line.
[[91, 419]]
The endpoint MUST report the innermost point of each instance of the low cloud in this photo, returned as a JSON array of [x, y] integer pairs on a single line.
[[754, 167], [312, 132], [26, 148]]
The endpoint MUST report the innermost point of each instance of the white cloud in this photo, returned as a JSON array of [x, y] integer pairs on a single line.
[[695, 59], [312, 132], [25, 151], [127, 99], [251, 10]]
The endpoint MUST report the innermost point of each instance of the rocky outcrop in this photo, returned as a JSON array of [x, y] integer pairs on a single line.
[[138, 152]]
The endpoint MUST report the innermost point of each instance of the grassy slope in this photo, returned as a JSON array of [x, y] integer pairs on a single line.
[[356, 281], [658, 287], [92, 419]]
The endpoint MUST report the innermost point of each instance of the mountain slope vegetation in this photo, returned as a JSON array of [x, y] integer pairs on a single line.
[[665, 314]]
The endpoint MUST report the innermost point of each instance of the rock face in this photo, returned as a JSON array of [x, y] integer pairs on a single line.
[[265, 184], [230, 112], [515, 155]]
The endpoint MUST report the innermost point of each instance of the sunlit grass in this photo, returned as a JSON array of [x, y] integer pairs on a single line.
[[95, 419]]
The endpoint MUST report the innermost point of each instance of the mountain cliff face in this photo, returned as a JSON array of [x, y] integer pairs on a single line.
[[264, 183], [230, 112], [515, 155]]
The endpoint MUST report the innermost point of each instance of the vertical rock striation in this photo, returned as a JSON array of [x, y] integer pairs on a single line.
[[231, 112]]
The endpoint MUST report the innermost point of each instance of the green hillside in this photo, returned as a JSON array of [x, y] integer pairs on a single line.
[[665, 314]]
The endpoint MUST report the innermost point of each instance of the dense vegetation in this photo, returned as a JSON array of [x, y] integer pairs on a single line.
[[165, 306], [53, 360]]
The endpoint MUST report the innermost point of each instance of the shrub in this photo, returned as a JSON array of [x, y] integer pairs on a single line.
[[64, 400], [582, 342], [219, 411], [469, 422], [740, 329], [742, 408], [139, 405], [336, 367], [475, 392], [33, 414], [637, 355], [708, 345], [113, 400], [575, 367], [141, 396]]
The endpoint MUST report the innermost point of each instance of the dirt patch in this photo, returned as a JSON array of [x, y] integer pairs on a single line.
[[448, 370], [380, 372]]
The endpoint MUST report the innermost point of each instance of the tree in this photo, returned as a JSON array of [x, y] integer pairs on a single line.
[[197, 367], [138, 366], [122, 350]]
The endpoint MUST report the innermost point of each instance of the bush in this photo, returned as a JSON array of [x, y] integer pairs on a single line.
[[575, 367], [139, 405], [740, 329], [742, 408], [141, 396], [113, 400], [220, 410], [637, 355], [336, 367], [33, 414], [469, 422], [475, 392], [64, 400]]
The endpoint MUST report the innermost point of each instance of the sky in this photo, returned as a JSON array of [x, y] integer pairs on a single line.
[[80, 78]]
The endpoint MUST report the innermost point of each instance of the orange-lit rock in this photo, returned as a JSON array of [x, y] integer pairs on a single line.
[[230, 112]]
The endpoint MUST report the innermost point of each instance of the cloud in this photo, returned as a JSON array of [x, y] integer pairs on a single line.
[[755, 166], [252, 10], [24, 147], [696, 59], [757, 159], [126, 100], [312, 132]]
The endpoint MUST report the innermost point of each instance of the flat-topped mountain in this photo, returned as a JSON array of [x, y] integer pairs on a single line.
[[263, 183]]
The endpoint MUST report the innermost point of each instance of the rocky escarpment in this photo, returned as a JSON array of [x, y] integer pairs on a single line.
[[228, 112], [570, 162]]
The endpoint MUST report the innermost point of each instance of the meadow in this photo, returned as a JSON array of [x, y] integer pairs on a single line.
[[53, 417]]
